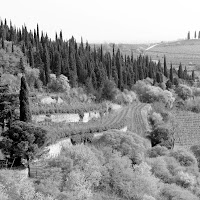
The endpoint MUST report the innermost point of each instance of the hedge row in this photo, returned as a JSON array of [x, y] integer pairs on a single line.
[[81, 132], [65, 108]]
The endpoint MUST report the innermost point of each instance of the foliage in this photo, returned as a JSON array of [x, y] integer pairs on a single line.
[[108, 90], [125, 97], [176, 192], [25, 114], [150, 94], [162, 136], [192, 105], [22, 140], [184, 91], [14, 185], [157, 151], [130, 145], [184, 157], [58, 84], [155, 119]]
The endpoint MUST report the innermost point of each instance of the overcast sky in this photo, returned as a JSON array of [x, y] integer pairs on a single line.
[[123, 21]]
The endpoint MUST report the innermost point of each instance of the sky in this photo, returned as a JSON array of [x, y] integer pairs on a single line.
[[105, 21]]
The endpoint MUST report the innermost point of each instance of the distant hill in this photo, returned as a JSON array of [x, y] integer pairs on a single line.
[[185, 51]]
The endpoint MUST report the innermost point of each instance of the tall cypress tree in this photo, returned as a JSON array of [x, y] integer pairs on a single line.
[[25, 114], [171, 74], [195, 35], [188, 36], [165, 68], [199, 35], [46, 66], [180, 71], [193, 75], [57, 64], [119, 69]]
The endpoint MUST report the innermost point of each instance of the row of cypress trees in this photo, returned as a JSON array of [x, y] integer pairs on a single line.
[[81, 63]]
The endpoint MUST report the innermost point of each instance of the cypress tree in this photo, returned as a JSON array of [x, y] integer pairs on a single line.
[[119, 69], [193, 75], [12, 47], [185, 73], [165, 68], [57, 64], [3, 38], [188, 36], [195, 35], [171, 74], [199, 35], [31, 58], [180, 71], [21, 66], [46, 65], [25, 114]]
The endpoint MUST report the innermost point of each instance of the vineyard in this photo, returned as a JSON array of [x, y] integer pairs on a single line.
[[187, 132]]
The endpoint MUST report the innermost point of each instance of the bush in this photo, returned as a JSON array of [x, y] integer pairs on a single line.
[[160, 169], [162, 136], [175, 192], [60, 84], [155, 119], [129, 144], [157, 151], [150, 94], [192, 105], [184, 157], [184, 91]]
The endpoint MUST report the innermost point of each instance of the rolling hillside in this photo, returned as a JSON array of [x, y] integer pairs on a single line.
[[185, 51]]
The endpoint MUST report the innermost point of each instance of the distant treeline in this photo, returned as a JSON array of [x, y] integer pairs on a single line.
[[82, 64], [195, 35]]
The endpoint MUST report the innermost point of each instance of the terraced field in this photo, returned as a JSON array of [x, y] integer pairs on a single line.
[[187, 132], [134, 122]]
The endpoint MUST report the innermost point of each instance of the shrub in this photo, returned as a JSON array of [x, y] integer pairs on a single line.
[[32, 76], [157, 151], [185, 179], [196, 151], [184, 157], [155, 119], [60, 84], [160, 169], [175, 192], [192, 105], [129, 144], [150, 94], [184, 91], [162, 136]]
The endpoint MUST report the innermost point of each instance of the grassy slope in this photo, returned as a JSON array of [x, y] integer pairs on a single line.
[[185, 51]]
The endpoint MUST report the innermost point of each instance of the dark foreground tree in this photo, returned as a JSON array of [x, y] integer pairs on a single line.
[[25, 113], [162, 136], [22, 140]]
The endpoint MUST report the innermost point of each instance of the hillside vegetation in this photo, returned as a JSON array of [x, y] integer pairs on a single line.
[[136, 152]]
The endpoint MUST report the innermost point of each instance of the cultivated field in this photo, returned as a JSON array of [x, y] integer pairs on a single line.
[[185, 51], [187, 129]]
